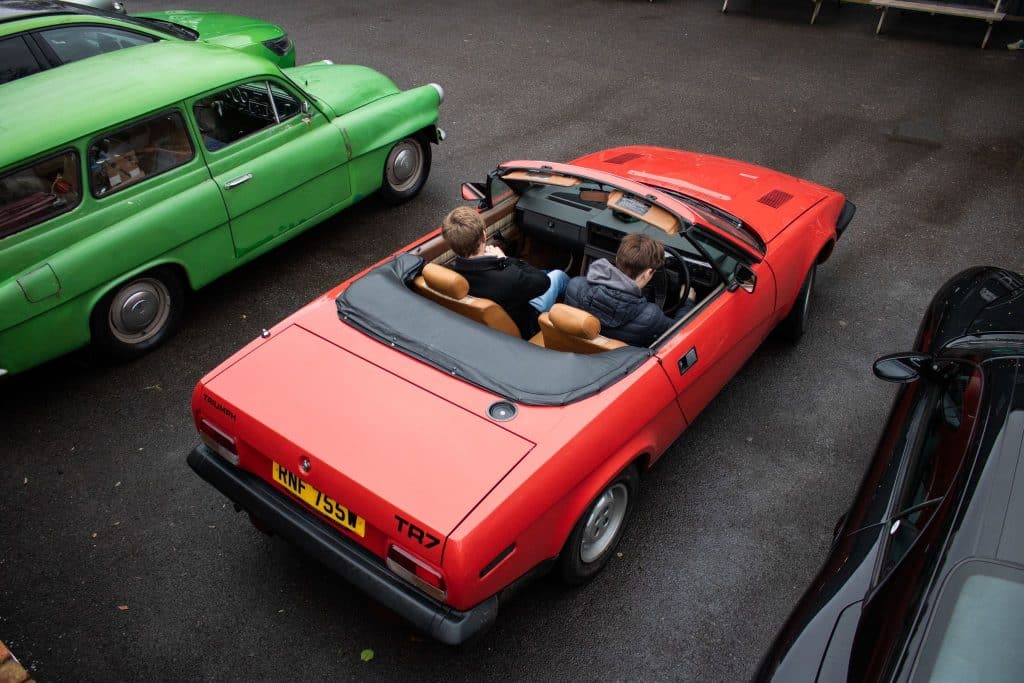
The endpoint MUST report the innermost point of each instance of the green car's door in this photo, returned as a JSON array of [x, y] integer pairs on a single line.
[[278, 169]]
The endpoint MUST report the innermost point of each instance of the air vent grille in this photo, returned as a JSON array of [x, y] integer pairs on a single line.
[[623, 158], [775, 198]]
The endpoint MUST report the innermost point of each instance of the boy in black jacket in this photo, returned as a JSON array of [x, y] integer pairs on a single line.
[[522, 290]]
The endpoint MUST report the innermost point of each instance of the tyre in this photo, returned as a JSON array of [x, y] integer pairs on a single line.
[[599, 529], [794, 325], [139, 315], [405, 170]]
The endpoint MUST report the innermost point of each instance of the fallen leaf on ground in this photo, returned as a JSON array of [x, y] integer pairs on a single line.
[[123, 608], [366, 655]]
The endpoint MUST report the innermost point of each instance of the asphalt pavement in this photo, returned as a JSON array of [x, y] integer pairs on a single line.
[[118, 563]]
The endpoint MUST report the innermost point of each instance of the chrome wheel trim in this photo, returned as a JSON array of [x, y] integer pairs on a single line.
[[404, 165], [604, 522], [139, 310], [807, 295]]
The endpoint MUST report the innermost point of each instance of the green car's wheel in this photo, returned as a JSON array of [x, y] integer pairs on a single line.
[[139, 314], [405, 170], [599, 529]]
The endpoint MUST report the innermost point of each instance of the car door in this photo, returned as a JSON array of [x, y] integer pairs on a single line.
[[720, 335], [279, 168]]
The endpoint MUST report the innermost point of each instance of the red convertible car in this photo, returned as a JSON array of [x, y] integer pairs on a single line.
[[402, 432]]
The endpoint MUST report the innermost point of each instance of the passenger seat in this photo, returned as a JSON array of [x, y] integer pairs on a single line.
[[451, 290], [565, 328]]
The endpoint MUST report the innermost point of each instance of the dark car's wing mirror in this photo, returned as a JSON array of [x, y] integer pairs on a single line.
[[473, 192], [901, 367]]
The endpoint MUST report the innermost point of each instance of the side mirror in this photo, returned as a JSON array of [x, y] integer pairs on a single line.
[[744, 278], [901, 368], [472, 192]]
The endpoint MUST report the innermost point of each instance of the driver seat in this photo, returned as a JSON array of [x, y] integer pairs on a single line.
[[451, 290], [565, 328]]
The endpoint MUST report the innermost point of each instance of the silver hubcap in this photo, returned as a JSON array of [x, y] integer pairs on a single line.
[[404, 165], [604, 522], [139, 311]]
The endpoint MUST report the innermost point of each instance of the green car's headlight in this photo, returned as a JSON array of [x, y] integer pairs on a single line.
[[279, 46]]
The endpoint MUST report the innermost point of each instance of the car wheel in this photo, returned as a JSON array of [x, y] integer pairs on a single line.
[[599, 529], [139, 315], [405, 170], [794, 325]]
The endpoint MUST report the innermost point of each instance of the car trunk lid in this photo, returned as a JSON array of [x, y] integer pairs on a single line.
[[377, 443]]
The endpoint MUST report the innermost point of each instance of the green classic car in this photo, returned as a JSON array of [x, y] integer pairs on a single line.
[[134, 176], [36, 35]]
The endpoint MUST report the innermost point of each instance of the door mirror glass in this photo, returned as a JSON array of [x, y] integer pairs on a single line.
[[745, 277], [472, 192], [901, 367]]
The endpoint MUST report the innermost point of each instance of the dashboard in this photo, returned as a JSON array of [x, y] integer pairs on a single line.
[[579, 221]]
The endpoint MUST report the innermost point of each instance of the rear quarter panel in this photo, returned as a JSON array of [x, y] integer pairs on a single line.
[[538, 503]]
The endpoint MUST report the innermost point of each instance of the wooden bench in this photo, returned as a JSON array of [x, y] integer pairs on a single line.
[[989, 15]]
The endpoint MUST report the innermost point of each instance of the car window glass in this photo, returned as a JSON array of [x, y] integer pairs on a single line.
[[142, 150], [939, 450], [286, 104], [498, 190], [721, 257], [39, 191], [239, 111], [971, 637], [16, 60], [71, 43]]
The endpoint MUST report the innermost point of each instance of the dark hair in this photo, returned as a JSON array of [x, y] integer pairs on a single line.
[[637, 253]]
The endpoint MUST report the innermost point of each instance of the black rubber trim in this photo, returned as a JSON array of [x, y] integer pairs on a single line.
[[355, 565], [845, 217]]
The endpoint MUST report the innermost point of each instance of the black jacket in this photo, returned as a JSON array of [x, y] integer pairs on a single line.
[[508, 282], [617, 302]]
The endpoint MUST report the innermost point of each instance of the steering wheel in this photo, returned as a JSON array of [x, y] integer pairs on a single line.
[[684, 292]]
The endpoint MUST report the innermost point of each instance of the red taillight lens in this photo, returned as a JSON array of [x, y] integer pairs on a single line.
[[416, 572], [220, 442]]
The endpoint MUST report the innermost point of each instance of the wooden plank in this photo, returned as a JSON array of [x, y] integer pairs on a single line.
[[941, 8]]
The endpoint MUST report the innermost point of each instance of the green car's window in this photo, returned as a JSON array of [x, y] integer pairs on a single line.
[[71, 43], [144, 149], [240, 111], [16, 60], [38, 192]]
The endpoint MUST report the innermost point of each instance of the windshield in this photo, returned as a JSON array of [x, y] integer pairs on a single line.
[[176, 30], [718, 218]]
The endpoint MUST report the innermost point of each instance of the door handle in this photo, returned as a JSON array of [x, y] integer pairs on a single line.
[[688, 361], [238, 181]]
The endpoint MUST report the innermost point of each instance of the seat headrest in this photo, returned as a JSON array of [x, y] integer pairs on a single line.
[[574, 321], [445, 281]]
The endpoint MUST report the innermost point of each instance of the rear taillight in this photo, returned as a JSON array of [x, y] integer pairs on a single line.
[[219, 441], [416, 572]]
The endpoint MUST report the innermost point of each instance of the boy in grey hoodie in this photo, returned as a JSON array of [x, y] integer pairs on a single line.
[[613, 293]]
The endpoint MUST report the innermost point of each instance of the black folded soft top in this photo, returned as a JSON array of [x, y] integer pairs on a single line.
[[383, 305]]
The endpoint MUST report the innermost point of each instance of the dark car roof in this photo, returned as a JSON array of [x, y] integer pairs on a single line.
[[61, 105], [382, 305]]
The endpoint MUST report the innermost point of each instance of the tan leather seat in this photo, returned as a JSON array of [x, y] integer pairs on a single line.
[[565, 328], [451, 290]]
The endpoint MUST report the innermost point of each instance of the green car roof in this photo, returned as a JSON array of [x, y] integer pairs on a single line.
[[51, 108]]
